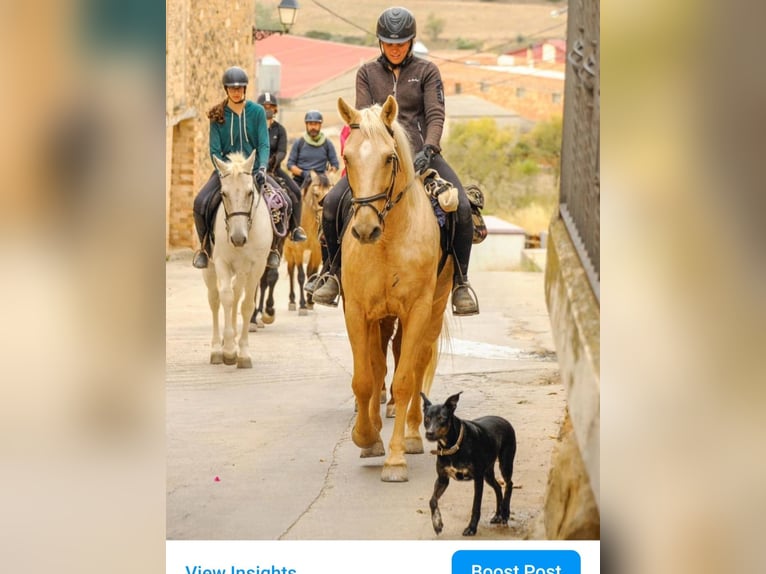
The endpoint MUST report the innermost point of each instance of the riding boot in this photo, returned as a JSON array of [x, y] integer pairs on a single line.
[[327, 284], [464, 300], [298, 234], [272, 262], [201, 256], [311, 282]]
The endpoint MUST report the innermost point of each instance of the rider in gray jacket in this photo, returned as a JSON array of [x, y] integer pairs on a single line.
[[417, 86]]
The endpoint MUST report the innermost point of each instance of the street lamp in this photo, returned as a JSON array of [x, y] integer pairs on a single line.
[[288, 9]]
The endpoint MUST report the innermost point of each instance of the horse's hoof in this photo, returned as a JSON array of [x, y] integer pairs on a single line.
[[375, 450], [268, 319], [390, 411], [229, 359], [291, 307], [245, 363], [252, 327], [394, 473], [413, 445], [310, 306], [216, 358], [303, 312]]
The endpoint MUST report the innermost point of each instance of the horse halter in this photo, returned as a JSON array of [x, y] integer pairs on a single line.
[[248, 214], [388, 194]]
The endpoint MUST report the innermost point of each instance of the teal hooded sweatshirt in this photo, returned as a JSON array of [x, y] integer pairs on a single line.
[[241, 134]]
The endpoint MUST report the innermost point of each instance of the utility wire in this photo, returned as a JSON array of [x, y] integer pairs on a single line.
[[346, 20]]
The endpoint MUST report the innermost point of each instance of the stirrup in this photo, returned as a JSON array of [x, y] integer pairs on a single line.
[[472, 295], [322, 282], [311, 283]]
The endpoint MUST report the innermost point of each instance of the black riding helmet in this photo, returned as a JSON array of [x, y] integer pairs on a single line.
[[396, 25], [234, 77], [268, 98]]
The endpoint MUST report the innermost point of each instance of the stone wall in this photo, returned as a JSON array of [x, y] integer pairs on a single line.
[[204, 37]]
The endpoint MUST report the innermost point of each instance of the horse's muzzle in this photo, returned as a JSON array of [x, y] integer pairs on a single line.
[[238, 239], [366, 234]]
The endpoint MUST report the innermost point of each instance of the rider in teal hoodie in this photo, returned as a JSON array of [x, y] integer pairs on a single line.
[[236, 125]]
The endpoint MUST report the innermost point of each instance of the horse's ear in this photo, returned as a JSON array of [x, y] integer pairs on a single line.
[[389, 111], [249, 162], [222, 166], [347, 113]]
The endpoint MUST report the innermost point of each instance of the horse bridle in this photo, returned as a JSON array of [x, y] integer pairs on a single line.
[[248, 214], [388, 194]]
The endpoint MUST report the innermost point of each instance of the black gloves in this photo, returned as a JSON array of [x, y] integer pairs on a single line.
[[260, 177], [423, 158]]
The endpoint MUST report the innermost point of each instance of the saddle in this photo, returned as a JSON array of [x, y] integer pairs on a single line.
[[444, 200], [276, 199]]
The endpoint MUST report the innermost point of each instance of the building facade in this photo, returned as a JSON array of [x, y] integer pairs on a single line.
[[203, 38]]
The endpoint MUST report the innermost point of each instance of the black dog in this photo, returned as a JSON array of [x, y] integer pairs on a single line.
[[468, 451]]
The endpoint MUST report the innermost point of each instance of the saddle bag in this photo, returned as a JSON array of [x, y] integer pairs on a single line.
[[440, 189], [476, 199], [280, 209]]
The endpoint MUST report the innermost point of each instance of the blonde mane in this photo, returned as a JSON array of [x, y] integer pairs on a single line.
[[236, 163], [374, 129]]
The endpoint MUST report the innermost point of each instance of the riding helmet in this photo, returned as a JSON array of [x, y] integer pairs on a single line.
[[313, 116], [396, 26], [268, 98], [234, 77]]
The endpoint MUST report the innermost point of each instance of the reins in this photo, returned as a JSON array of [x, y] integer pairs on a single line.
[[248, 214], [388, 194]]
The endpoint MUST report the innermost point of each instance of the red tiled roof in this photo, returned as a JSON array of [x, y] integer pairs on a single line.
[[537, 50], [307, 63]]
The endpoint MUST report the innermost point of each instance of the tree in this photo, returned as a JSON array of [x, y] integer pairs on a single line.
[[516, 172], [434, 26]]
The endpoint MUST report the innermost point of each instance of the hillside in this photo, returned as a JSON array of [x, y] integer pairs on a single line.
[[495, 25]]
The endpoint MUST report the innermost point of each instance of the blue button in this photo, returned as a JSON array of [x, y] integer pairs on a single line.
[[515, 562]]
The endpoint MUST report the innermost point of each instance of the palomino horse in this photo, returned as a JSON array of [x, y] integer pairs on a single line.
[[313, 192], [391, 253], [243, 238]]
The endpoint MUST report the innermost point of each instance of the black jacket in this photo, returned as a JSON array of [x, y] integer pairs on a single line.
[[418, 91]]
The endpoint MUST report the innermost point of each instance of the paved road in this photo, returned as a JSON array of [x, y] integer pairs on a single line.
[[277, 436]]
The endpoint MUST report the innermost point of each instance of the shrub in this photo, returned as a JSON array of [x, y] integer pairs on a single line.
[[517, 172]]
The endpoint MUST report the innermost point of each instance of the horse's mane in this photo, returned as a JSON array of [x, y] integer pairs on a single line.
[[373, 128], [324, 181], [236, 163]]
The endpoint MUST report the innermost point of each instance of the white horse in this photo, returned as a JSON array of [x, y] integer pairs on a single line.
[[243, 236]]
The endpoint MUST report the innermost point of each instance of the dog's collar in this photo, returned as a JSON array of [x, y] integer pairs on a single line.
[[454, 448]]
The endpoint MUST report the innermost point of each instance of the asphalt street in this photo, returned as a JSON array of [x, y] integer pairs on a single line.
[[266, 453]]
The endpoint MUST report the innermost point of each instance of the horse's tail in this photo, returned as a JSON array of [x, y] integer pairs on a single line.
[[443, 342]]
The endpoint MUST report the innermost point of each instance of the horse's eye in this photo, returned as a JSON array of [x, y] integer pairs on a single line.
[[225, 194], [389, 159]]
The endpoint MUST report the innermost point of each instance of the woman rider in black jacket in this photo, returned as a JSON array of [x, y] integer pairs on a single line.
[[417, 86]]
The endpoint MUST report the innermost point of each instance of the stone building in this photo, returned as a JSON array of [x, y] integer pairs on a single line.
[[203, 38]]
